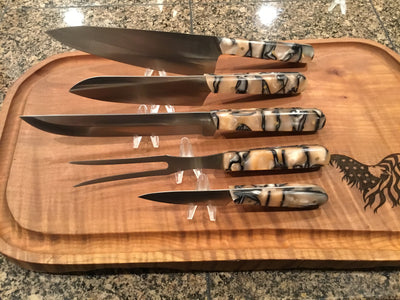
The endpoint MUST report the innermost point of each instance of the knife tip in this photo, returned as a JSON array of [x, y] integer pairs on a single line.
[[79, 162], [85, 183], [77, 90], [50, 31], [28, 119], [157, 197], [53, 32], [72, 89], [77, 86], [58, 33]]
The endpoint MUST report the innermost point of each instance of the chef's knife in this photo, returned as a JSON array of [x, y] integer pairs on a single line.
[[266, 195], [206, 123], [174, 52], [303, 157], [187, 90]]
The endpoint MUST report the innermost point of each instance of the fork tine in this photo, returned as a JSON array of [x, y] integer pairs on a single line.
[[126, 176], [160, 158]]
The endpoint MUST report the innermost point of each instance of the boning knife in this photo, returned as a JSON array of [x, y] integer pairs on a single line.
[[268, 120]]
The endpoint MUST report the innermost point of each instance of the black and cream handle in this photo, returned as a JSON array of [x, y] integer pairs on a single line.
[[269, 119], [282, 51], [262, 83], [276, 158], [279, 195]]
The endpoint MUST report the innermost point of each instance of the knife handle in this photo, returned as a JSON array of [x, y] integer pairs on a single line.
[[276, 158], [282, 51], [269, 119], [279, 195], [261, 83]]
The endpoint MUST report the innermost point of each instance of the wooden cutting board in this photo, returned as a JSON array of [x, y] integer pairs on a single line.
[[47, 224]]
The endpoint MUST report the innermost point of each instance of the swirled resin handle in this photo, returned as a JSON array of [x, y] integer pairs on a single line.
[[276, 158], [282, 51], [269, 119], [279, 195], [283, 83]]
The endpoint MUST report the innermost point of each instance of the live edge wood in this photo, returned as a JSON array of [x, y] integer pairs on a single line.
[[47, 225]]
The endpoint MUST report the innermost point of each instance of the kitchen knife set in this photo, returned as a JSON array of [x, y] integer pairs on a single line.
[[195, 55]]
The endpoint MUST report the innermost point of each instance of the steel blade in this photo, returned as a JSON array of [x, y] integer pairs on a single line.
[[186, 197], [174, 52], [174, 90], [270, 196], [124, 176], [175, 164], [125, 124]]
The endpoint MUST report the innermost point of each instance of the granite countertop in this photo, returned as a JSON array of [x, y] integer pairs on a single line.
[[23, 44]]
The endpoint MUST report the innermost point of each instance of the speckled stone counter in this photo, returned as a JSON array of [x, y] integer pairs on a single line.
[[24, 43]]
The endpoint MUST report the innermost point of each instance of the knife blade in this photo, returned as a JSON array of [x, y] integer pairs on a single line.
[[266, 195], [187, 90], [268, 120], [174, 52], [299, 157]]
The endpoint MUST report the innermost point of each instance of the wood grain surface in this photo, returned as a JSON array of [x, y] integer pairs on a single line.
[[46, 223]]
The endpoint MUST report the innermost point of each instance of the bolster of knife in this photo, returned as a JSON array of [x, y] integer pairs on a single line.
[[280, 83], [276, 158], [279, 195], [269, 119], [282, 51]]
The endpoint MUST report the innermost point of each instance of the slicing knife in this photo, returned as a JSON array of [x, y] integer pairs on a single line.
[[187, 90], [268, 120], [266, 195], [299, 157], [174, 52]]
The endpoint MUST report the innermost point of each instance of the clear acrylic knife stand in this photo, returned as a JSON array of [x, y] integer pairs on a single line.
[[202, 181], [185, 151], [144, 109], [341, 3], [203, 185]]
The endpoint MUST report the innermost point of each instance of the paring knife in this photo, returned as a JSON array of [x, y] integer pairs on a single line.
[[263, 159], [174, 52], [266, 195], [206, 123], [187, 90]]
